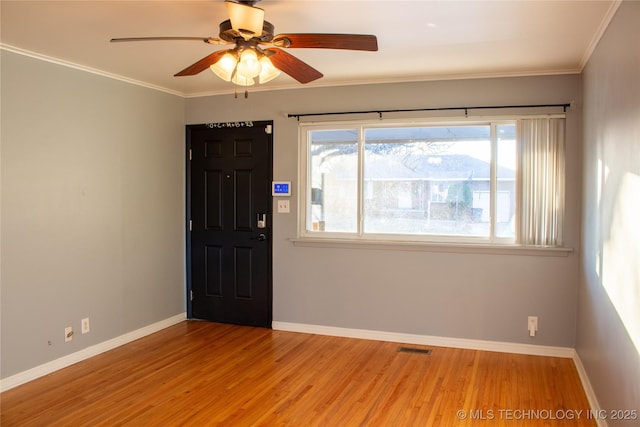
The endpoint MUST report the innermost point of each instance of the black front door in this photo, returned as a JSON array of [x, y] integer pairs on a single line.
[[229, 204]]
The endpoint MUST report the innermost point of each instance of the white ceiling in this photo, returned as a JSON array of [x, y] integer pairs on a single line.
[[418, 40]]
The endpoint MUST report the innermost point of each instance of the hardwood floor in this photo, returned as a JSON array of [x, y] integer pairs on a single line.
[[207, 374]]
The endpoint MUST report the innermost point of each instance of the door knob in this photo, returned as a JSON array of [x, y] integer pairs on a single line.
[[260, 237]]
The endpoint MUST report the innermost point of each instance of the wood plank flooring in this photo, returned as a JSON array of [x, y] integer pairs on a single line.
[[208, 374]]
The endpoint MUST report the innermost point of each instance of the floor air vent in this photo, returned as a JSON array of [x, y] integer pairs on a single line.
[[414, 350]]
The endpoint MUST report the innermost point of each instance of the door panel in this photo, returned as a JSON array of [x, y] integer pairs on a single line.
[[213, 195], [243, 209], [229, 189], [213, 265]]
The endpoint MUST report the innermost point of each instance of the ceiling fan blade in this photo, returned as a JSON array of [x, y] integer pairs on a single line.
[[292, 66], [327, 41], [209, 40], [202, 65]]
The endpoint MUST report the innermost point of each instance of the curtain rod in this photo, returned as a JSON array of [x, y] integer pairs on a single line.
[[466, 110]]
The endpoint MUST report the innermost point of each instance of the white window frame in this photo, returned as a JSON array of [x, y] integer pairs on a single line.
[[309, 237]]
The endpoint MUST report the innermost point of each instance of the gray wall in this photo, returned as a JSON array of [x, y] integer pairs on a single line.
[[608, 332], [93, 205], [92, 209], [473, 296]]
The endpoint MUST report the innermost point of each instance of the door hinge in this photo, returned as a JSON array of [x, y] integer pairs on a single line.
[[190, 154], [190, 295], [190, 225], [268, 129]]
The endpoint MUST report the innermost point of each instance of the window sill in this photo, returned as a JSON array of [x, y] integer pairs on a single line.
[[459, 248]]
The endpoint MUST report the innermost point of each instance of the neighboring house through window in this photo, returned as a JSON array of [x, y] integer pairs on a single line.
[[451, 181]]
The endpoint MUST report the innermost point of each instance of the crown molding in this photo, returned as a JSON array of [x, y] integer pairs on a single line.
[[96, 71], [293, 86], [599, 33]]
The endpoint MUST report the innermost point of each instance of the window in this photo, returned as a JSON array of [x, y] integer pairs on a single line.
[[455, 181]]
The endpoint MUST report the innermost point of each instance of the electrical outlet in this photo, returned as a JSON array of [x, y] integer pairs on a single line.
[[85, 325], [532, 325], [68, 334]]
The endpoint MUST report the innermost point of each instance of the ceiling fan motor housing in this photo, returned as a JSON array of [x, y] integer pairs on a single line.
[[227, 33], [247, 2]]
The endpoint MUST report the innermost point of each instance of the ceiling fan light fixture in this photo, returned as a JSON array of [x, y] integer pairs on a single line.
[[249, 65], [225, 66], [245, 19], [242, 80], [268, 71]]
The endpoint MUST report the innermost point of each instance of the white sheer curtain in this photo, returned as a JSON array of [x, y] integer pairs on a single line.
[[541, 177]]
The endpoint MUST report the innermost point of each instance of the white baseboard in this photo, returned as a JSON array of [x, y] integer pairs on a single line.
[[63, 362], [502, 347], [588, 389]]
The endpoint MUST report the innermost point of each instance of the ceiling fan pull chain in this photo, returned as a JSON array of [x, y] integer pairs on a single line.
[[246, 93]]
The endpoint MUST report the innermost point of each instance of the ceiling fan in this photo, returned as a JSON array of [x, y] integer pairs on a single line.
[[257, 52]]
